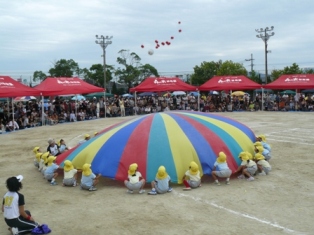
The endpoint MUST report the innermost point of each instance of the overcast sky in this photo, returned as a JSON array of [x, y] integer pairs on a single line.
[[36, 33]]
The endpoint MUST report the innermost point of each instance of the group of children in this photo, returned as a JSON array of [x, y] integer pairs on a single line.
[[250, 166]]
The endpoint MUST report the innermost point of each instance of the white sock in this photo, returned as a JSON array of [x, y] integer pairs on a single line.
[[153, 189], [53, 180], [227, 179], [216, 181]]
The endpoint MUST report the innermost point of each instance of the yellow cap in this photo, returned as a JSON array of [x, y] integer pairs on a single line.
[[132, 169], [38, 155], [87, 136], [249, 155], [222, 157], [86, 169], [68, 166], [257, 143], [50, 160], [244, 156], [193, 168], [260, 149], [161, 174], [35, 150], [95, 133], [45, 157], [259, 156]]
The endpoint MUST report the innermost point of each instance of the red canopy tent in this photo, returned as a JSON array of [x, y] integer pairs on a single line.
[[11, 88], [292, 81], [163, 84], [229, 83], [64, 86]]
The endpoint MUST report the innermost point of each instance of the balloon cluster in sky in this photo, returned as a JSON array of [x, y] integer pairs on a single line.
[[162, 43]]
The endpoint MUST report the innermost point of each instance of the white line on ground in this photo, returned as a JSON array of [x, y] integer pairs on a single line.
[[293, 136], [197, 199]]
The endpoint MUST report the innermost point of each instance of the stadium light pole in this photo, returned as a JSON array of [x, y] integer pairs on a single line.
[[104, 42], [265, 37]]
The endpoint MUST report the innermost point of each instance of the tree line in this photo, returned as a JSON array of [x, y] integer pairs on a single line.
[[132, 72]]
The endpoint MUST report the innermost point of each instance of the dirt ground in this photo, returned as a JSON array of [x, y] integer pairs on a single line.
[[280, 203]]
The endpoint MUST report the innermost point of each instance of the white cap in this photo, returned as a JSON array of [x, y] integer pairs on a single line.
[[19, 178]]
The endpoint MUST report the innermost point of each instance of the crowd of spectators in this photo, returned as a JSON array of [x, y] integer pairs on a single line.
[[29, 114]]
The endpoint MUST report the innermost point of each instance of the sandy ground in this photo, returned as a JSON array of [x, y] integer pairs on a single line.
[[280, 203]]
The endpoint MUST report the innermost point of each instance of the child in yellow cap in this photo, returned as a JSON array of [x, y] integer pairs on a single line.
[[89, 179], [194, 177], [161, 183], [247, 168], [86, 138], [36, 150], [263, 166], [221, 169], [262, 139], [51, 171], [70, 174], [43, 162], [135, 180], [260, 149]]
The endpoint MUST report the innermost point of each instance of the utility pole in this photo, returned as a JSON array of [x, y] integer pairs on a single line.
[[251, 63], [104, 42], [265, 37]]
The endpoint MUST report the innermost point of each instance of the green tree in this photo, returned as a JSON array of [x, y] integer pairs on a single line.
[[293, 69], [255, 77], [64, 68], [131, 70], [114, 88], [39, 76], [204, 72], [231, 68]]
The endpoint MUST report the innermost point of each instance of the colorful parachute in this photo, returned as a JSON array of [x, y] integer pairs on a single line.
[[172, 139]]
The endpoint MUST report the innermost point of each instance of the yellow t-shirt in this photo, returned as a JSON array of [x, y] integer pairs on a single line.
[[263, 163], [196, 177], [70, 174]]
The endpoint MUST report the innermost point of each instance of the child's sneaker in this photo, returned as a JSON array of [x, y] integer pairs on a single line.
[[92, 188], [241, 177], [14, 231], [141, 191], [153, 192], [227, 182], [217, 183], [53, 183], [262, 173], [169, 190], [250, 179], [130, 191], [187, 188]]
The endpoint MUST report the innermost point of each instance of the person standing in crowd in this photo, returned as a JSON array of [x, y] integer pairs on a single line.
[[135, 180], [194, 177], [122, 108], [221, 169], [16, 217]]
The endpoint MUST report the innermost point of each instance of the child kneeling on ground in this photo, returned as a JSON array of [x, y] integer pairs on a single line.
[[89, 179], [221, 169], [194, 176], [135, 180], [161, 183], [70, 174]]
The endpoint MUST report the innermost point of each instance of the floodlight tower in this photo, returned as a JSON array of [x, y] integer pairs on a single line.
[[265, 37], [104, 42]]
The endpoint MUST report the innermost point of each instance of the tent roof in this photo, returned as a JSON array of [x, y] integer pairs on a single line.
[[293, 81], [229, 83], [163, 84], [65, 86], [11, 88]]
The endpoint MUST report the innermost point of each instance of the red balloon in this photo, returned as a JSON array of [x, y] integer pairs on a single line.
[[156, 47], [172, 37], [142, 46], [156, 41], [163, 43], [169, 43], [180, 30]]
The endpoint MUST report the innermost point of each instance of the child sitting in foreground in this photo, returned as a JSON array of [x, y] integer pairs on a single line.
[[161, 183], [194, 177], [221, 169]]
